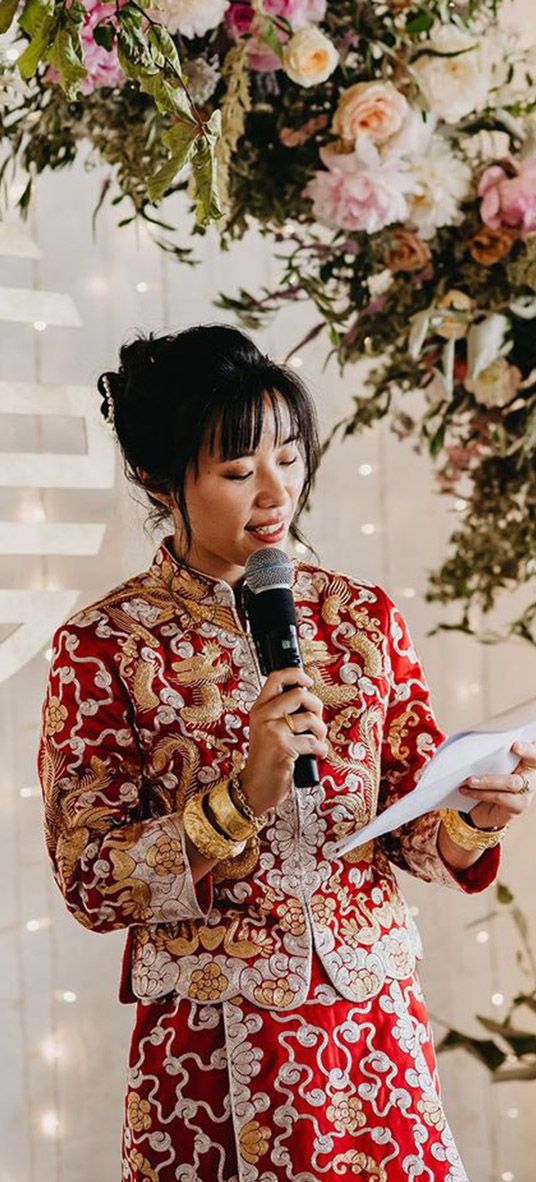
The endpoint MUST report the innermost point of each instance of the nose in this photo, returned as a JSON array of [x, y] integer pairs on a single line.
[[272, 491]]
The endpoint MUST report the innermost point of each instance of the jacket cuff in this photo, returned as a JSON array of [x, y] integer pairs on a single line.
[[480, 875]]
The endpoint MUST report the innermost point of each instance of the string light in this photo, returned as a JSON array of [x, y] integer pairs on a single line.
[[51, 1049], [482, 936], [142, 286], [40, 325], [507, 1176], [365, 469], [48, 654], [368, 528], [66, 995], [28, 793], [36, 925], [50, 1123], [296, 362], [459, 505], [497, 999], [300, 548], [512, 1113], [414, 910], [409, 592]]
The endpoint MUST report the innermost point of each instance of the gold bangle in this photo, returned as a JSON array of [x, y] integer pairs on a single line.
[[236, 791], [233, 823], [211, 845], [468, 838]]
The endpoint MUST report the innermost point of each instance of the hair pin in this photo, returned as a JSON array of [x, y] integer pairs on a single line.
[[107, 404]]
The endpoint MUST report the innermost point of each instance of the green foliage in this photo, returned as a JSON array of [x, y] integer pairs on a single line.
[[511, 1053]]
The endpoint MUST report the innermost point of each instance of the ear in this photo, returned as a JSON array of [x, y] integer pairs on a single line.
[[164, 498]]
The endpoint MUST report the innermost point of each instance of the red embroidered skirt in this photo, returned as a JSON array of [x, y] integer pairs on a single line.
[[333, 1090]]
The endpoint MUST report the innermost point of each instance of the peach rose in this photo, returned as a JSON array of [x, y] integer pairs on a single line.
[[309, 57], [490, 246], [376, 109], [405, 251], [453, 323]]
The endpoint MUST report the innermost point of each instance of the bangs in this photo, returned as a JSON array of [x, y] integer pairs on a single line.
[[236, 423]]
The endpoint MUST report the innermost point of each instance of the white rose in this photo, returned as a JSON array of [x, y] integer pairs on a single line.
[[496, 385], [309, 57], [442, 182], [454, 86], [191, 18]]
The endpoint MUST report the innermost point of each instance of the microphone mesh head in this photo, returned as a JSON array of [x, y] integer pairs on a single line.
[[268, 568]]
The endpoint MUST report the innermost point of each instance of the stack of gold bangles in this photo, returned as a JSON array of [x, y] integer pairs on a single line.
[[220, 821], [467, 836]]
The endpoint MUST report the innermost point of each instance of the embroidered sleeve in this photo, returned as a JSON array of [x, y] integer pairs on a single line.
[[411, 735], [114, 864]]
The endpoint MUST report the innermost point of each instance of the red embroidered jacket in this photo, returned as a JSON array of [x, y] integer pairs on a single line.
[[148, 700]]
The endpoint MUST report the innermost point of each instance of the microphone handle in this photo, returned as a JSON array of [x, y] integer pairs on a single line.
[[280, 650]]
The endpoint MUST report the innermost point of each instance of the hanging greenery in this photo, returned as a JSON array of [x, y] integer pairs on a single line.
[[389, 148]]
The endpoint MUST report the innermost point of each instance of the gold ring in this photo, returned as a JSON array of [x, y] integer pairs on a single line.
[[526, 783], [289, 723]]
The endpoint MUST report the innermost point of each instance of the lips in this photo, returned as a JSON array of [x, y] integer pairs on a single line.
[[268, 531]]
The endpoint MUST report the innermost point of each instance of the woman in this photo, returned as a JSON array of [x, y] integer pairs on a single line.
[[280, 1031]]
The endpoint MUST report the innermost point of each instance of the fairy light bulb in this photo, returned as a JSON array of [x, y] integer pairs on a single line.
[[51, 1049], [365, 469], [482, 936], [37, 925], [497, 999], [50, 1123], [368, 528]]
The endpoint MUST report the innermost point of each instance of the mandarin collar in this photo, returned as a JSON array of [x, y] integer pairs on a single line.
[[203, 596]]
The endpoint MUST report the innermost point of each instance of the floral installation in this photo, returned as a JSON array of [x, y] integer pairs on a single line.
[[389, 149]]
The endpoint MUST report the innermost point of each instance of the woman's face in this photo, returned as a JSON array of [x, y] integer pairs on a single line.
[[230, 499]]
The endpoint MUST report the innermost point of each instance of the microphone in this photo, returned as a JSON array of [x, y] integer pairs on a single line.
[[269, 606]]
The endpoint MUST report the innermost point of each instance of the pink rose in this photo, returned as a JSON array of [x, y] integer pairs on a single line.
[[239, 19], [508, 193], [360, 191]]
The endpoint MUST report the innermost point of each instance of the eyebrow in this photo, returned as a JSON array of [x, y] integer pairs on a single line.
[[291, 439]]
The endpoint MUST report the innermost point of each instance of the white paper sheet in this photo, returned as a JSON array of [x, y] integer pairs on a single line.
[[486, 750]]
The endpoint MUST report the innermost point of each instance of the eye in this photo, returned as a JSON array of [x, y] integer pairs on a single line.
[[237, 476], [287, 463]]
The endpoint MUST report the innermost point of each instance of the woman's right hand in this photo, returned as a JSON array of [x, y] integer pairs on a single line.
[[268, 775]]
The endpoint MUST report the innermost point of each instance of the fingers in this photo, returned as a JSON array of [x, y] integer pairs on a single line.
[[501, 784], [515, 802], [527, 751], [307, 721], [280, 680], [309, 745]]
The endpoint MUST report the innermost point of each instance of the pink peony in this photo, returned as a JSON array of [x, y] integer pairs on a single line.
[[102, 67], [360, 190], [508, 193], [297, 12], [240, 20]]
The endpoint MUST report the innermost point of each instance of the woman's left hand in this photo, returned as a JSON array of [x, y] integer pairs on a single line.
[[500, 798]]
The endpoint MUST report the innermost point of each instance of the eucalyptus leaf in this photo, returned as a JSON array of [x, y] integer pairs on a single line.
[[8, 9], [180, 141], [40, 21], [66, 58]]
